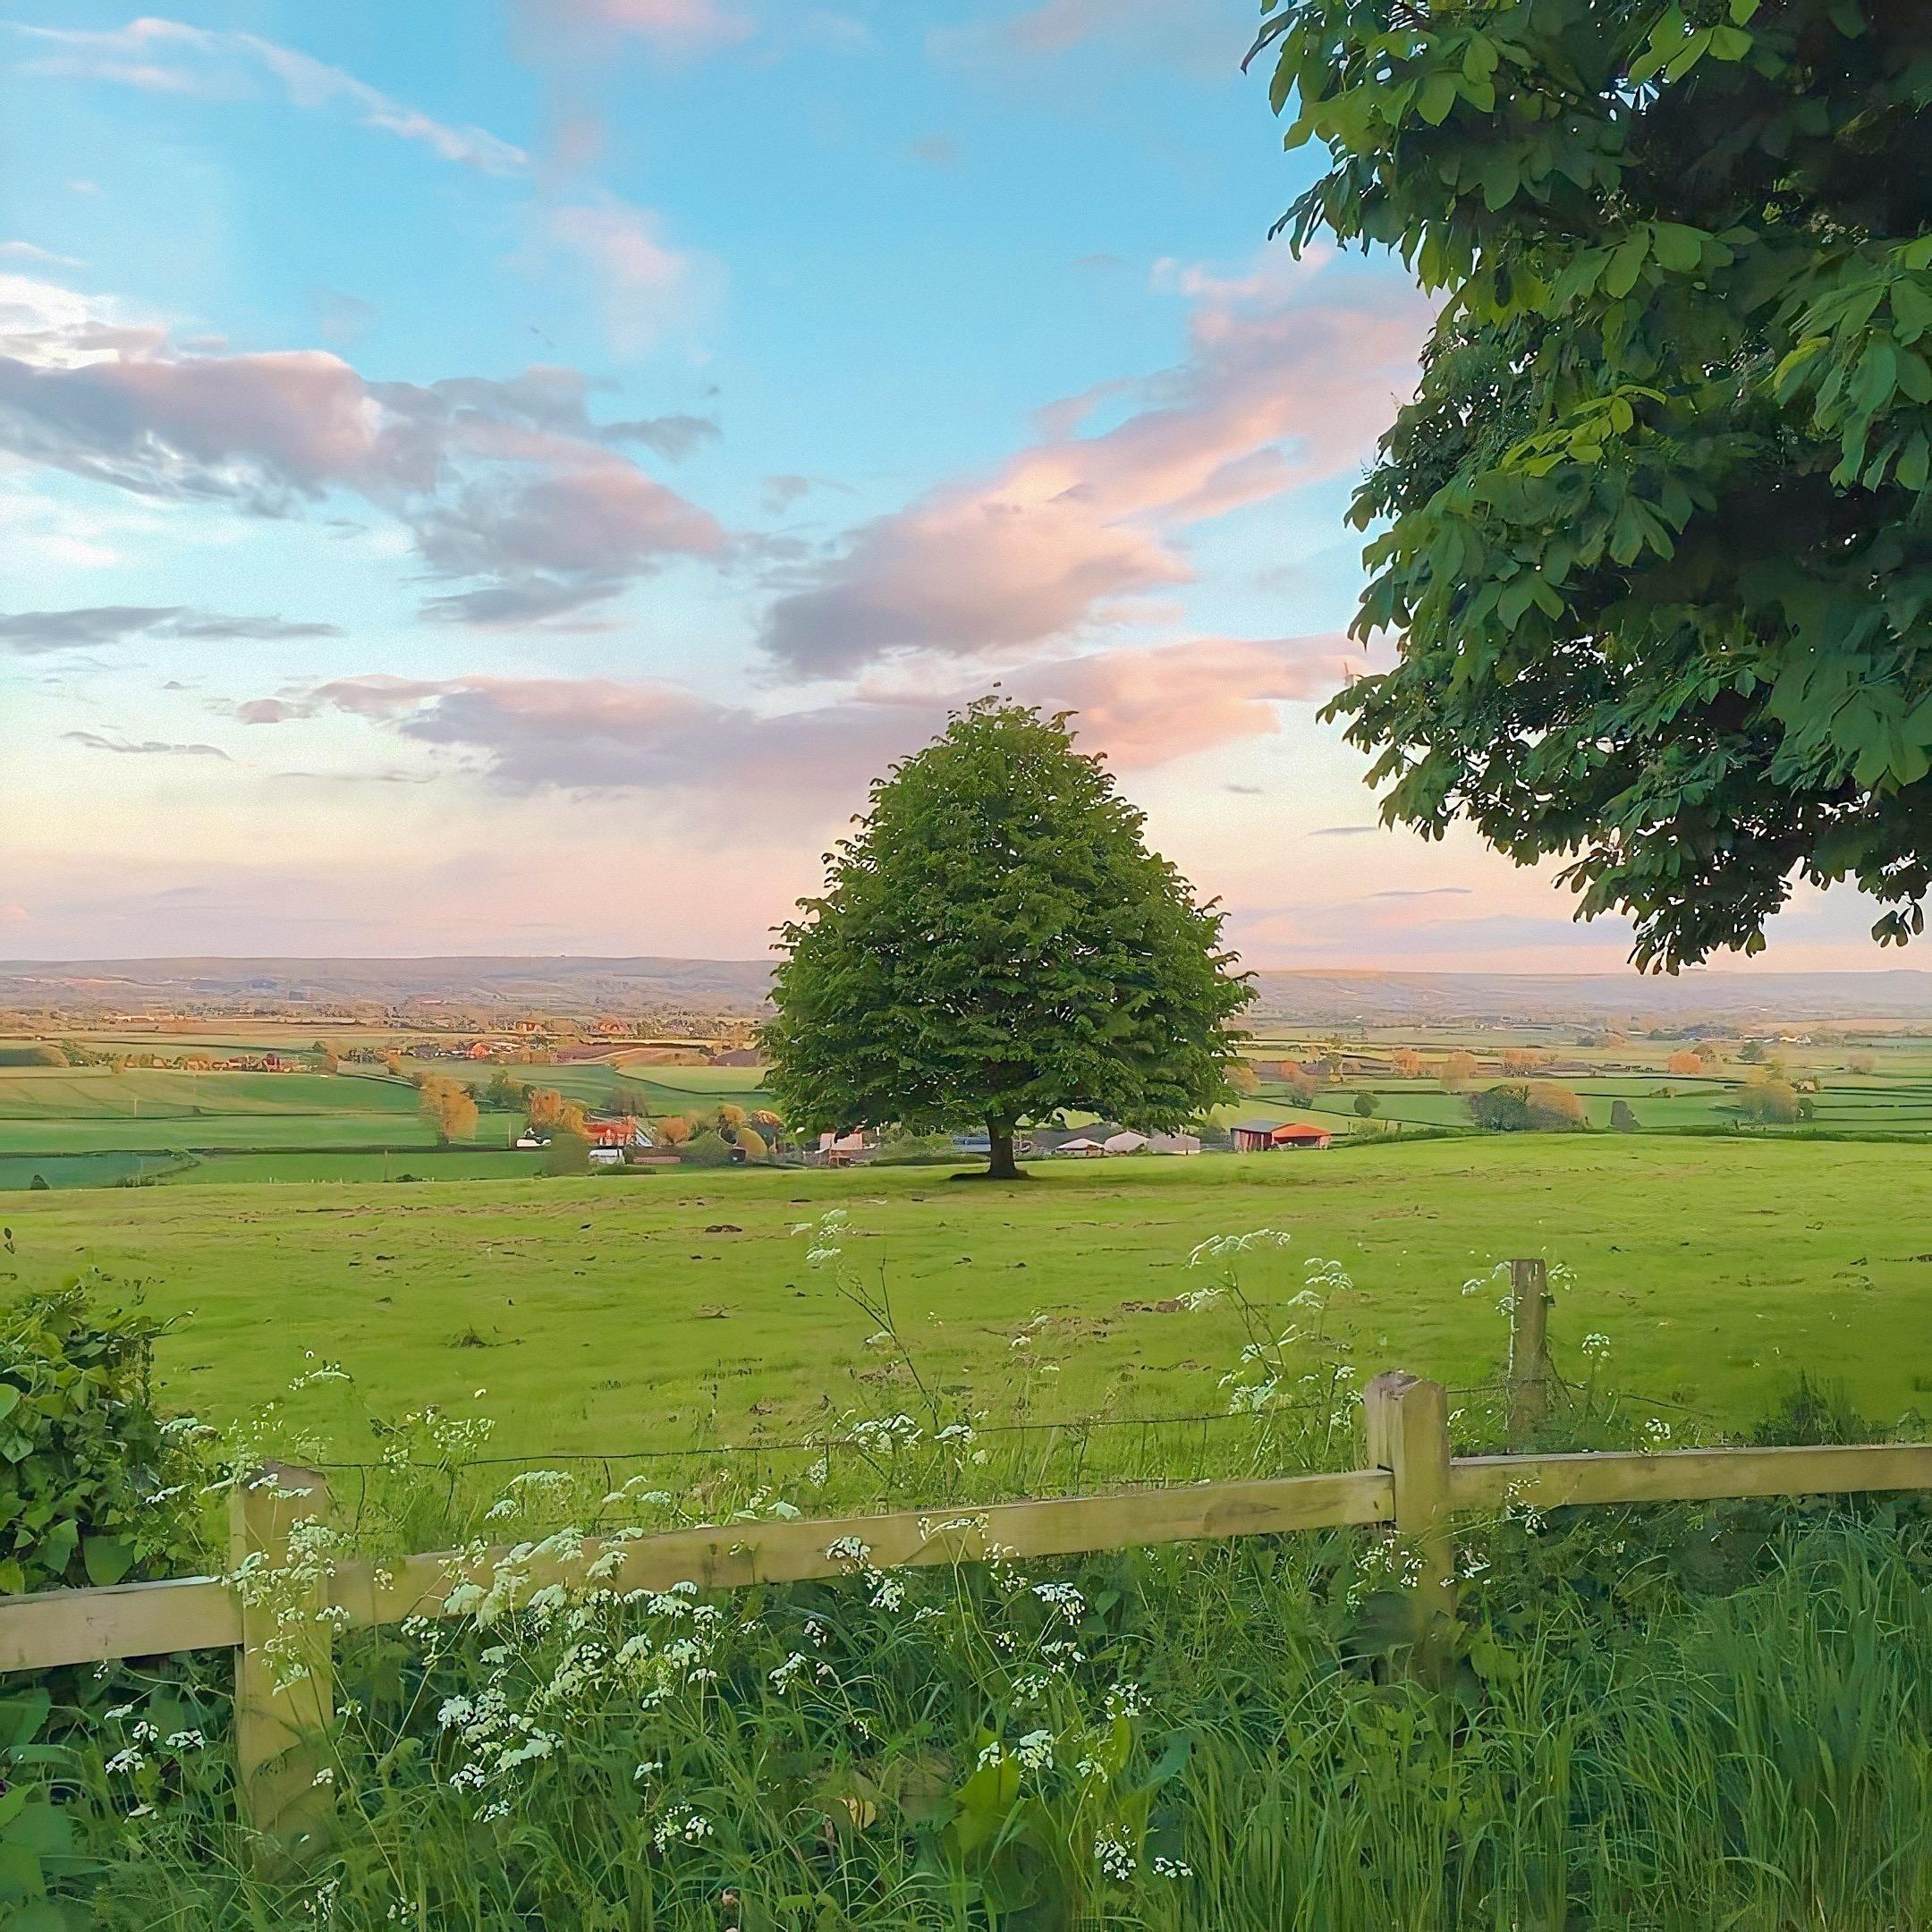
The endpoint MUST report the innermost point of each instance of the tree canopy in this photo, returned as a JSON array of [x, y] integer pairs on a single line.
[[1653, 531], [995, 944]]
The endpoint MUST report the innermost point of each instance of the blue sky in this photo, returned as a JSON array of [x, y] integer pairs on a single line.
[[502, 477]]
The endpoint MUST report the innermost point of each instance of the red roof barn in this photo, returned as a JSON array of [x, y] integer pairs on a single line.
[[1262, 1137]]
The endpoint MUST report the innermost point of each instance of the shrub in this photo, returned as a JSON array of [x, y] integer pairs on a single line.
[[1503, 1109], [706, 1150], [1774, 1102], [1553, 1107], [1623, 1117], [90, 1477], [567, 1153]]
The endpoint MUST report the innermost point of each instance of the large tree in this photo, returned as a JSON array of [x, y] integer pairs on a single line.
[[995, 944], [1654, 533]]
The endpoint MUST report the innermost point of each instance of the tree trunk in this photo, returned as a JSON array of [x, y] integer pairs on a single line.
[[1000, 1166]]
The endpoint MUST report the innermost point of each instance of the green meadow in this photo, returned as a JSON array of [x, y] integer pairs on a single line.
[[674, 1307]]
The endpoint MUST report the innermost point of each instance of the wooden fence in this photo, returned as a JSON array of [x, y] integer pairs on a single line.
[[1413, 1483]]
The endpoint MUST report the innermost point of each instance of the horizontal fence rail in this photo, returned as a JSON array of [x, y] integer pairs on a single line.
[[1415, 1486]]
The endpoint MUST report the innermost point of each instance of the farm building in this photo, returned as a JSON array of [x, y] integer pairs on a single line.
[[1126, 1142], [1081, 1148], [841, 1150], [625, 1131], [1266, 1137], [1174, 1143]]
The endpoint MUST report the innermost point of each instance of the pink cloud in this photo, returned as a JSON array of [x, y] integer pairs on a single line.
[[1141, 708], [645, 282], [1287, 381], [506, 482], [1145, 707], [678, 25]]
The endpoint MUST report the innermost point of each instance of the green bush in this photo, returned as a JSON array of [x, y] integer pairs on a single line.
[[707, 1149], [94, 1487]]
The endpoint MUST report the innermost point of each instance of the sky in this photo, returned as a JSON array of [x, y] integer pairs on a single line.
[[503, 476]]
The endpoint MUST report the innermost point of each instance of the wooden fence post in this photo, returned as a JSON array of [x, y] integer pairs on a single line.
[[280, 1735], [1408, 1431], [1529, 1359]]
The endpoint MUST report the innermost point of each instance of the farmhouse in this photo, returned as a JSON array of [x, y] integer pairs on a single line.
[[624, 1132], [841, 1150], [1266, 1137]]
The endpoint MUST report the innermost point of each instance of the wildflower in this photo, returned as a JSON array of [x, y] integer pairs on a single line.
[[1219, 1245], [125, 1761], [787, 1673], [1035, 1750], [992, 1754], [184, 1741], [1597, 1345], [681, 1822], [1062, 1597], [326, 1775], [1167, 1868], [1114, 1856]]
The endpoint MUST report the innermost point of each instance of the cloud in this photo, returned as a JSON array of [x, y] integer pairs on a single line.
[[1288, 376], [1201, 35], [163, 56], [509, 481], [645, 282], [1423, 892], [672, 436], [1141, 708], [95, 742], [1147, 706], [341, 317], [673, 26], [1342, 830], [26, 251], [28, 632]]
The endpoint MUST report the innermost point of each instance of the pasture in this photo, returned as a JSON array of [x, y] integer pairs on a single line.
[[675, 1307]]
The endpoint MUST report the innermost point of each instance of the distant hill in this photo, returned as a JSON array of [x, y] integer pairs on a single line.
[[1306, 998], [1393, 998], [566, 984]]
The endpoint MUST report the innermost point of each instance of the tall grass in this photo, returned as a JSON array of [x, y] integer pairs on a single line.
[[1161, 1739], [1664, 1717]]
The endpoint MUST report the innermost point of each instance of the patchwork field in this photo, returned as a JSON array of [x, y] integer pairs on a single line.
[[671, 1306]]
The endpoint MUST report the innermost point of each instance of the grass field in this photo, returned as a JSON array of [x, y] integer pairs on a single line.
[[676, 1306]]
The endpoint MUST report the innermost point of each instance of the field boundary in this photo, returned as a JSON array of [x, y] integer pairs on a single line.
[[1413, 1484]]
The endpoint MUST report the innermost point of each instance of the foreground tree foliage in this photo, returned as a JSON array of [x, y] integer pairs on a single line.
[[1653, 531], [995, 944]]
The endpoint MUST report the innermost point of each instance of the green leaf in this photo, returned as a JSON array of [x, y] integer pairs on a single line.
[[1678, 247], [1626, 264], [1437, 96], [10, 1398], [107, 1559]]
